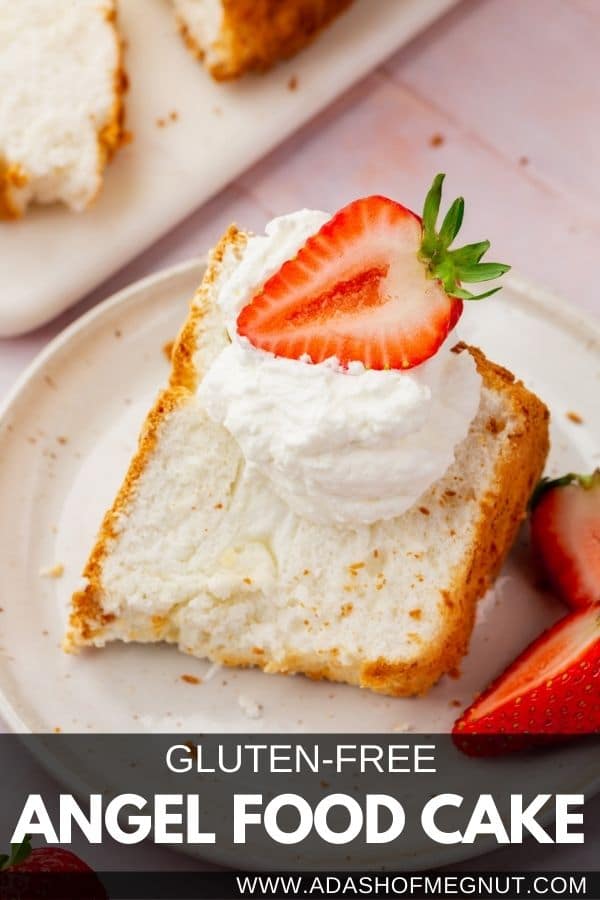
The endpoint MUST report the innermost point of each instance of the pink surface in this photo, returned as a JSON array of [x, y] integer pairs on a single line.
[[504, 96], [512, 90]]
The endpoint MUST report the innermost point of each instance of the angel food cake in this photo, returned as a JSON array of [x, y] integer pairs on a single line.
[[61, 86], [330, 481], [237, 36]]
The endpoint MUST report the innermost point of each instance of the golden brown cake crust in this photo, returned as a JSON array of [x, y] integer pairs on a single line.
[[12, 177], [256, 34], [113, 134], [183, 369], [501, 511], [87, 616]]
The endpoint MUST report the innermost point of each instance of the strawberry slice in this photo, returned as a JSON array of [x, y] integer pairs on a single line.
[[550, 692], [565, 534], [377, 284]]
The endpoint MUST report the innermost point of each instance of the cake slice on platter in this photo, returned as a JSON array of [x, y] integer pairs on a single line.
[[330, 481], [61, 101], [237, 36]]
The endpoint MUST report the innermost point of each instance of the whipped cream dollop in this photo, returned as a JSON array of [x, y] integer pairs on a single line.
[[348, 446]]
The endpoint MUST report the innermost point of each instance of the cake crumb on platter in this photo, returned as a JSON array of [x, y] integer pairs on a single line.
[[169, 119], [574, 417], [55, 571], [250, 707]]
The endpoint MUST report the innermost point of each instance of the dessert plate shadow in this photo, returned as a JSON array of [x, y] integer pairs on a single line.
[[66, 434]]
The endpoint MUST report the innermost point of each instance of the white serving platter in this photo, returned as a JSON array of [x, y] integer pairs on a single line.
[[49, 259]]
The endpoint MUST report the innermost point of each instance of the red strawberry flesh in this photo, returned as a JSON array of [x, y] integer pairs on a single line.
[[51, 859], [565, 533], [552, 689], [565, 646], [356, 290], [50, 872]]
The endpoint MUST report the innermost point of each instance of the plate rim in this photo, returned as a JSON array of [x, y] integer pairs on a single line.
[[87, 318]]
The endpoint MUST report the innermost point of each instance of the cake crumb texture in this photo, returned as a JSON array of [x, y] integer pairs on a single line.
[[61, 101]]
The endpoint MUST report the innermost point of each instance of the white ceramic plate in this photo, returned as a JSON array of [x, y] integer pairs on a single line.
[[66, 435], [167, 172]]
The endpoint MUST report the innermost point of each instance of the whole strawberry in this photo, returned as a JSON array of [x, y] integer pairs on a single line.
[[550, 692], [565, 534], [22, 875]]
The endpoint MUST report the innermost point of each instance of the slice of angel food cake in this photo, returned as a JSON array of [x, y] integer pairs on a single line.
[[61, 101], [330, 481], [233, 37]]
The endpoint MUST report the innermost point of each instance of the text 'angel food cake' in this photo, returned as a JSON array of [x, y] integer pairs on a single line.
[[330, 482], [61, 86], [238, 36]]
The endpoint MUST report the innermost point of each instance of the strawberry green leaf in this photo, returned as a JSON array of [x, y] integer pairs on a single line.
[[467, 295], [452, 222], [432, 203], [453, 267], [590, 481], [481, 272], [470, 253], [431, 210], [18, 854]]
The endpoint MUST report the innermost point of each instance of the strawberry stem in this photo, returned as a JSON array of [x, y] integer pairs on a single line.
[[453, 267], [587, 482], [18, 854]]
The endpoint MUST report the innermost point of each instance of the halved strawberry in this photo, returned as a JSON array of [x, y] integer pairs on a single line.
[[376, 285], [565, 534], [550, 692]]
